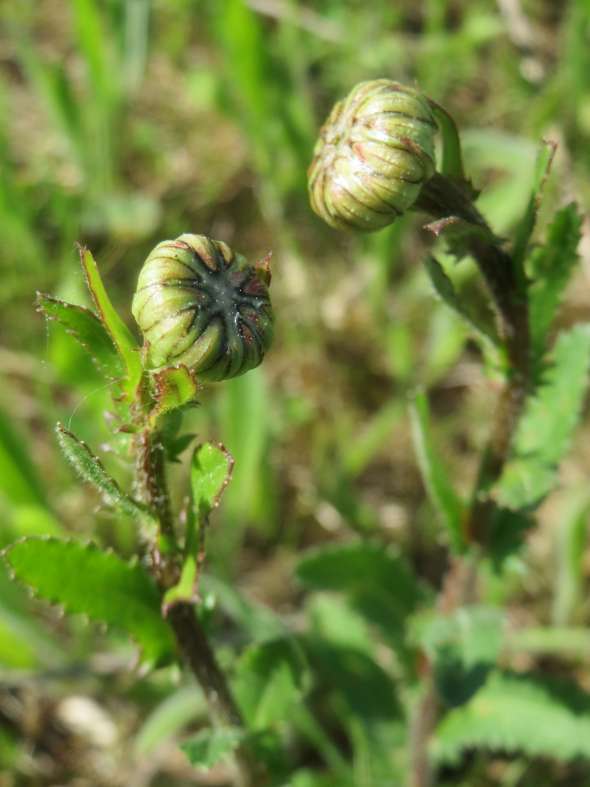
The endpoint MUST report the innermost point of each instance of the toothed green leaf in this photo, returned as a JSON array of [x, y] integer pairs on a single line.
[[546, 428], [118, 331], [550, 267], [84, 579], [518, 715], [90, 469], [211, 469], [86, 329], [525, 229]]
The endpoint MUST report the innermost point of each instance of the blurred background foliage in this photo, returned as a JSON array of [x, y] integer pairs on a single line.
[[124, 122]]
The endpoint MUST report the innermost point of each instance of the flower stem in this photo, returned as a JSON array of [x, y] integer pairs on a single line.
[[152, 488], [442, 198]]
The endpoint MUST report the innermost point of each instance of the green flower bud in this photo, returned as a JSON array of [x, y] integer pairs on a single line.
[[200, 304], [375, 152]]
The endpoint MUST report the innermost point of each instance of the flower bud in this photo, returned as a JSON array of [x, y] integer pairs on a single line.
[[200, 304], [375, 151]]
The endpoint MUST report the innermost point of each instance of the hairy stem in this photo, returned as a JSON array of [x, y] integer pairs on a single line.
[[152, 488], [442, 198]]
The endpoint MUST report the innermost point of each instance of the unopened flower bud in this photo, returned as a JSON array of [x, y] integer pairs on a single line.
[[375, 152], [200, 304]]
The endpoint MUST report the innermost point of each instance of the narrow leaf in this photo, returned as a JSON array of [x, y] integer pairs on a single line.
[[445, 289], [19, 481], [439, 488], [452, 159], [547, 425], [270, 678], [559, 641], [550, 267], [570, 556], [169, 717], [525, 229], [87, 329], [118, 331], [211, 746], [518, 715], [83, 579], [90, 469]]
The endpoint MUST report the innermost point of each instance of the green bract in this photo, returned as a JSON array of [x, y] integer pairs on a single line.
[[200, 304], [375, 151]]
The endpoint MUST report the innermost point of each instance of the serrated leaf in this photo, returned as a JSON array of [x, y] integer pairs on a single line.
[[86, 580], [463, 648], [440, 491], [174, 387], [211, 470], [86, 329], [90, 469], [525, 229], [518, 715], [118, 331], [211, 746], [548, 423], [445, 289], [550, 267], [270, 678], [359, 565]]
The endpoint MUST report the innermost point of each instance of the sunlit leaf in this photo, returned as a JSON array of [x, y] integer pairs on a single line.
[[525, 229], [546, 428], [550, 267], [87, 329], [118, 331], [90, 469], [84, 579]]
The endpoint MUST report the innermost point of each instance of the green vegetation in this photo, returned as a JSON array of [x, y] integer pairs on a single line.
[[390, 597]]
